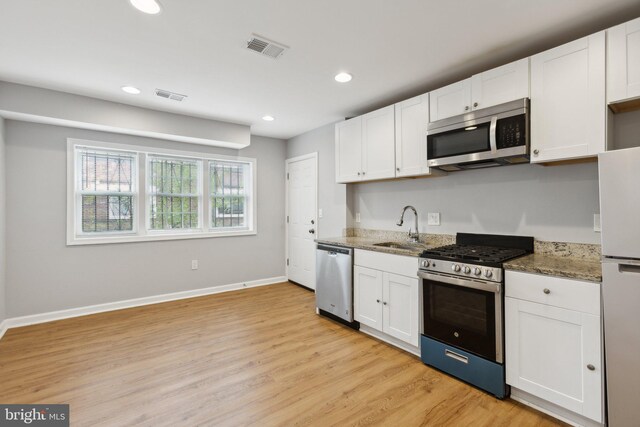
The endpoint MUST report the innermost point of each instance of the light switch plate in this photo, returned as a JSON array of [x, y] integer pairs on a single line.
[[596, 223], [433, 218], [357, 216]]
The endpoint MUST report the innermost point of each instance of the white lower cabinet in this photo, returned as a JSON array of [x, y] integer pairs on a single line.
[[387, 301], [554, 351]]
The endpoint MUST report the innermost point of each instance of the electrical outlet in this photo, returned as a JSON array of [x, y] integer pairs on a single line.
[[319, 213], [433, 218], [596, 223], [357, 216], [194, 264]]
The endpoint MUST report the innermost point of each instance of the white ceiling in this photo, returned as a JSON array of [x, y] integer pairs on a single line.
[[394, 49]]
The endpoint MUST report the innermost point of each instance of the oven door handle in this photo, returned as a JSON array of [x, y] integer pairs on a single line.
[[492, 134], [496, 288]]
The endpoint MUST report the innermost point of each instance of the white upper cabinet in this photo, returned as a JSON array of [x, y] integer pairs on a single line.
[[378, 144], [623, 61], [568, 108], [349, 150], [450, 101], [365, 147], [412, 116], [499, 85]]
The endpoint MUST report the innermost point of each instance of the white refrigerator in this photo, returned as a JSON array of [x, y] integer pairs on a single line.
[[619, 173]]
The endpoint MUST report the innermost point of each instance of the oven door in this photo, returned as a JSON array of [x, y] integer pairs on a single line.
[[465, 313]]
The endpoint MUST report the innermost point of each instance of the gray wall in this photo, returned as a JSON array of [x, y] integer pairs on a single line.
[[332, 197], [626, 130], [2, 224], [45, 275], [550, 203]]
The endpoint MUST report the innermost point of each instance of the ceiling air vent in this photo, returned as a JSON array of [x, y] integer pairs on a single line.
[[170, 95], [265, 46]]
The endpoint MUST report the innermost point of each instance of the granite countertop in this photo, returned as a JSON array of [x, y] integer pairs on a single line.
[[588, 269], [368, 243]]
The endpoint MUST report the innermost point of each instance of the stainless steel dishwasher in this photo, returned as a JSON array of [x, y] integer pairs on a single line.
[[334, 283]]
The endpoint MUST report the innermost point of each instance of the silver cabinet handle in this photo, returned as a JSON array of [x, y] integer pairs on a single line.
[[358, 173], [384, 303], [466, 108], [362, 173], [378, 301], [398, 169], [546, 291], [591, 367], [536, 152], [312, 231], [475, 104]]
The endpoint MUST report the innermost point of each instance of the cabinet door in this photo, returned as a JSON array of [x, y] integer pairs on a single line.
[[412, 116], [349, 150], [623, 61], [568, 109], [378, 144], [400, 307], [367, 294], [450, 101], [549, 353], [503, 84]]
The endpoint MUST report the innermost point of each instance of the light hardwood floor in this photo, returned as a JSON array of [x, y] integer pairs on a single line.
[[252, 357]]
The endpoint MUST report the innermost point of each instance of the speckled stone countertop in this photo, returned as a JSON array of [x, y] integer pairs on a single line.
[[368, 244], [572, 260], [573, 268]]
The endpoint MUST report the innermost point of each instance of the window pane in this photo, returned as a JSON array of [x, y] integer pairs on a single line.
[[174, 193], [107, 213], [106, 171], [228, 199]]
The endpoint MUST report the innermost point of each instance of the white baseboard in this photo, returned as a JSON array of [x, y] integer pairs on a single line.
[[16, 322], [390, 340], [555, 411], [3, 328]]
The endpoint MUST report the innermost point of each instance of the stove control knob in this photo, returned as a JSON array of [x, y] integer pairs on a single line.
[[467, 270], [455, 267], [425, 263], [477, 271], [488, 273]]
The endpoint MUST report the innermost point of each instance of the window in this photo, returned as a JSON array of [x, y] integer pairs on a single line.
[[107, 191], [228, 198], [174, 193], [122, 193]]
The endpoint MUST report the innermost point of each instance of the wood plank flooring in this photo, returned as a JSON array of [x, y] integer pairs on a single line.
[[259, 356]]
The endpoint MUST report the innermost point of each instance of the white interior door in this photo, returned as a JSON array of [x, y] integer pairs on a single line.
[[302, 223]]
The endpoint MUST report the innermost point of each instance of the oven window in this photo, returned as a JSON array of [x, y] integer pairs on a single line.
[[458, 142], [467, 310], [461, 316]]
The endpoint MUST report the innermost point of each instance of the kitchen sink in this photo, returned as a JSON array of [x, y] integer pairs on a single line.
[[404, 246]]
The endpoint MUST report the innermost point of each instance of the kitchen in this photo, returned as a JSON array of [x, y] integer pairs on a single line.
[[445, 235]]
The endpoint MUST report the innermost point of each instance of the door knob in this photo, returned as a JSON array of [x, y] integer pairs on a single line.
[[475, 104], [591, 367], [384, 303], [312, 231], [536, 152], [312, 222], [547, 291]]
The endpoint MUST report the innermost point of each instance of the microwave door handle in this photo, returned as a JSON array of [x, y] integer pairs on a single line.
[[492, 134]]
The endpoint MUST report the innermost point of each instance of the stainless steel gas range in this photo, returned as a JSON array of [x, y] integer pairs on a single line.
[[463, 307]]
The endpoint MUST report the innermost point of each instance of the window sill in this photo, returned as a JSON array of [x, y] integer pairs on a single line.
[[103, 240]]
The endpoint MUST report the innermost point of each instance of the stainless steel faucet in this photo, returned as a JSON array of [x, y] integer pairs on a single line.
[[413, 236]]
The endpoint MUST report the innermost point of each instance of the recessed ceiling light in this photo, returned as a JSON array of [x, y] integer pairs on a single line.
[[343, 77], [268, 118], [152, 7], [131, 90]]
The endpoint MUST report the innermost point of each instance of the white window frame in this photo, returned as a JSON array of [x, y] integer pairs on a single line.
[[141, 232]]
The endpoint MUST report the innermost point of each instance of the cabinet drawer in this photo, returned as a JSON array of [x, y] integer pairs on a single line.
[[555, 291], [398, 264]]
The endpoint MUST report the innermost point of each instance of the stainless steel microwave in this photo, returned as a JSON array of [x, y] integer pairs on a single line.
[[493, 136]]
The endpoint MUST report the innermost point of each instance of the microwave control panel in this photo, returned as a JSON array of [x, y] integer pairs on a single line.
[[511, 132]]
